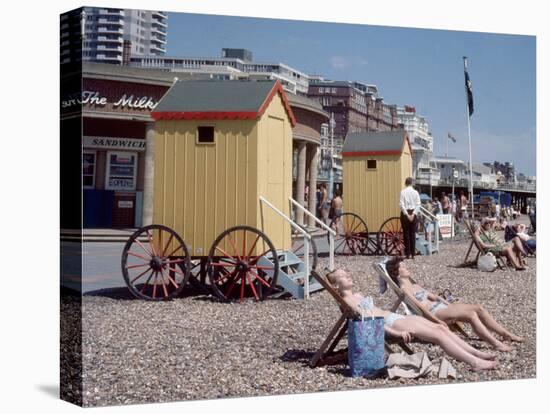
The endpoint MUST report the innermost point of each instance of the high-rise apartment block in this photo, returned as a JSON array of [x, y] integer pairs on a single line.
[[95, 34]]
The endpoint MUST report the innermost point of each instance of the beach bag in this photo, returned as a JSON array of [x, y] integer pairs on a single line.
[[366, 346], [487, 262]]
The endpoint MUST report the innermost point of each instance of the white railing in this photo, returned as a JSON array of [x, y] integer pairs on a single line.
[[331, 232], [433, 221], [301, 230]]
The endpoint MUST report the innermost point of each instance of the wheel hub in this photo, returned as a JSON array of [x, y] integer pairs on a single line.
[[242, 266], [156, 263]]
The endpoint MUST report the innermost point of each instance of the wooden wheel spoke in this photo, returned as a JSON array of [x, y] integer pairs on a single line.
[[223, 264], [259, 278], [244, 245], [174, 261], [231, 285], [233, 245], [150, 238], [167, 244], [226, 276], [163, 285], [175, 250], [140, 256], [147, 281], [155, 286], [226, 254], [171, 280], [298, 248], [255, 260], [150, 253], [252, 286], [140, 265], [141, 274], [358, 224], [243, 282], [253, 246]]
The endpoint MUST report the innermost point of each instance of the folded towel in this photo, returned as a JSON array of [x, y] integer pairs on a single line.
[[409, 366]]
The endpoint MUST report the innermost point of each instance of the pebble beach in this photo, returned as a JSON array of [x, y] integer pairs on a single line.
[[196, 347]]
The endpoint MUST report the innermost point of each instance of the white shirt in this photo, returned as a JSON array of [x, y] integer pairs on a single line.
[[409, 199]]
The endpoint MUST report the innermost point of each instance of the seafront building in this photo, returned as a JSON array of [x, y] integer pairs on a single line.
[[95, 34]]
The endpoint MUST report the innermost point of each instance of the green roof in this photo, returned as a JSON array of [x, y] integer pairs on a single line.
[[374, 141], [215, 96]]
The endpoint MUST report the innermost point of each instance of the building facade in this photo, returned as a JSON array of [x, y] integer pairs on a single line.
[[231, 64], [113, 109], [421, 142], [107, 35]]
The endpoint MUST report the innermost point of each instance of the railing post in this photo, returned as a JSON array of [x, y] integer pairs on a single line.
[[331, 252], [306, 275]]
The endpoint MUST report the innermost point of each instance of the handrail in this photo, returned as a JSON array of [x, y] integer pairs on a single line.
[[331, 232], [306, 245], [425, 212], [323, 225]]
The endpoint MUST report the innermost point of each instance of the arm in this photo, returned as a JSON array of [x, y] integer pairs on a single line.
[[417, 203], [434, 297]]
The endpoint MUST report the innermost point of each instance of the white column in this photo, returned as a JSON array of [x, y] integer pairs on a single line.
[[313, 150], [148, 174], [301, 181]]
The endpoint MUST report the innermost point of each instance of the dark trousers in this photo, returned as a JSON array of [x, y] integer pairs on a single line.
[[409, 234]]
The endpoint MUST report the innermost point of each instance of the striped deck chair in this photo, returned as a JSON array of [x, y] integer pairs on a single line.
[[409, 307]]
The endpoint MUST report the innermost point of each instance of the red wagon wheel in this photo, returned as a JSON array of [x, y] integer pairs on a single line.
[[235, 269], [390, 237], [155, 263], [352, 234]]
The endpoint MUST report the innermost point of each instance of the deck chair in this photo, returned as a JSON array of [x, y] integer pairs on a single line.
[[326, 355], [501, 262], [409, 307], [510, 233]]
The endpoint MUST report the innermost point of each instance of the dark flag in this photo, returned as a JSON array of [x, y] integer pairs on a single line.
[[468, 84], [451, 137]]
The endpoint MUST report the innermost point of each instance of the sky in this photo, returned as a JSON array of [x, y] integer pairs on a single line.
[[417, 67]]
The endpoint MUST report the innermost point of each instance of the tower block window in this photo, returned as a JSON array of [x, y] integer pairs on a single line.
[[205, 135]]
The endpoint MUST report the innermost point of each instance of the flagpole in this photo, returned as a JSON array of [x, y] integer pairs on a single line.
[[469, 141], [447, 150]]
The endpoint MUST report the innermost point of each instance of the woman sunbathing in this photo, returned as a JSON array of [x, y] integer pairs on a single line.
[[438, 309], [408, 327], [489, 240]]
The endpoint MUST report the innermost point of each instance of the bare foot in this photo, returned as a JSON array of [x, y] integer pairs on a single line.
[[512, 337], [485, 355], [503, 348], [484, 365]]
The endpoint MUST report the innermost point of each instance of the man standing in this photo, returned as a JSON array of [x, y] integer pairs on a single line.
[[409, 204]]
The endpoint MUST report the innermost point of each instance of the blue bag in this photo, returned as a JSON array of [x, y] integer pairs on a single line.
[[366, 346]]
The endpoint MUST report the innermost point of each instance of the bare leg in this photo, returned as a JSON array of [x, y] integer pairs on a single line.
[[510, 255], [441, 336], [480, 320]]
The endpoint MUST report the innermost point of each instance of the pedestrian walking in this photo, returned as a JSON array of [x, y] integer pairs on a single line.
[[409, 204]]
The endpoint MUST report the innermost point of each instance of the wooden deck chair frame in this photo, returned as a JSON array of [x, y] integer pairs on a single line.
[[410, 307], [501, 263], [326, 355]]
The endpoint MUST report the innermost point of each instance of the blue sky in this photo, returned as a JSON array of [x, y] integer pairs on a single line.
[[418, 67]]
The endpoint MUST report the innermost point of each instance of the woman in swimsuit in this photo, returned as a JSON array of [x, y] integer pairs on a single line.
[[408, 327], [439, 310]]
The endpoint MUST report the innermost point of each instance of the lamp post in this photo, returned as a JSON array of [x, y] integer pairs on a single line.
[[331, 152]]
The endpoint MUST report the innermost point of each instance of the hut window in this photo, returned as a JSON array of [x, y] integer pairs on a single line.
[[205, 135], [371, 164]]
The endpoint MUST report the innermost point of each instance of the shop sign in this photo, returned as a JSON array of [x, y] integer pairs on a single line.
[[114, 143], [446, 225], [130, 101], [125, 204]]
